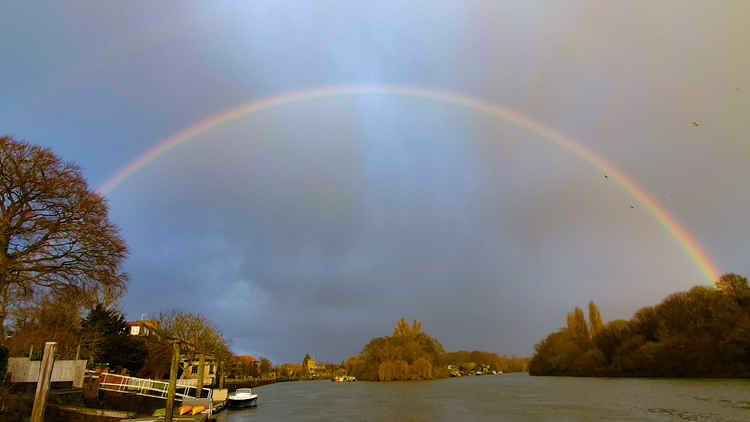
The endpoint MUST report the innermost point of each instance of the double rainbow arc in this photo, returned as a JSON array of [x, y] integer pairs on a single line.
[[672, 226]]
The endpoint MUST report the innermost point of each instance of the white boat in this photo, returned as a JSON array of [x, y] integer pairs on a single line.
[[243, 397]]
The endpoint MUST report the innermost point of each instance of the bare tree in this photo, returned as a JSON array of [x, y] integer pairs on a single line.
[[54, 230], [45, 318], [199, 334]]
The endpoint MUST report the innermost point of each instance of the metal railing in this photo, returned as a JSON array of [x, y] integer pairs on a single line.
[[144, 386]]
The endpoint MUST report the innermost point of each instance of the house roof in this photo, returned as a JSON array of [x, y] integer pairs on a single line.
[[150, 323], [245, 358]]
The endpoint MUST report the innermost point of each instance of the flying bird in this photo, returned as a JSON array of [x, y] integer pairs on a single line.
[[696, 124]]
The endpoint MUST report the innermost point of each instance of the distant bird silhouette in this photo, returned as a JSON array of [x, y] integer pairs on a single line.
[[696, 124]]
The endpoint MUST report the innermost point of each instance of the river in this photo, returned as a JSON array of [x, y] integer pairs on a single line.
[[512, 397]]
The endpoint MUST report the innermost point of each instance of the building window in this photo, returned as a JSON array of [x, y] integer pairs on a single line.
[[211, 369], [194, 369], [134, 330]]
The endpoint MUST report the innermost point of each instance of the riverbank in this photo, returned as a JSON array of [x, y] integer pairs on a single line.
[[18, 408], [233, 384], [71, 405]]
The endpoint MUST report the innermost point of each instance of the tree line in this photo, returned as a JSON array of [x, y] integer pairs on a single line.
[[100, 335], [702, 332], [469, 360], [410, 354]]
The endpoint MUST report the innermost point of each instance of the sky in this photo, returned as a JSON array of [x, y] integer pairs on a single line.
[[313, 226]]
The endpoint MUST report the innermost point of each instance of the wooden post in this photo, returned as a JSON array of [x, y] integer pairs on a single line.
[[31, 351], [78, 351], [221, 374], [201, 369], [42, 383], [172, 381]]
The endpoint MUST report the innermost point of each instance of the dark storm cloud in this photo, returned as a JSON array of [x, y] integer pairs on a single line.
[[313, 227]]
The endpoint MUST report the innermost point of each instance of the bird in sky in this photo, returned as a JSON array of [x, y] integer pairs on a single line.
[[696, 124]]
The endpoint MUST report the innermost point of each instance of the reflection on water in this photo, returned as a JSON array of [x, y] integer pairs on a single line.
[[513, 397]]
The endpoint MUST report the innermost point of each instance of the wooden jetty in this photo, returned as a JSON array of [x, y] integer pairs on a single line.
[[186, 418]]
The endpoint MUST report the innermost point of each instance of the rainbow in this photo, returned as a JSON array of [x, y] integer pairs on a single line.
[[672, 226]]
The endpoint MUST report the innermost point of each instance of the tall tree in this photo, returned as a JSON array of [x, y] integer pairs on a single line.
[[577, 326], [736, 287], [199, 334], [595, 319], [265, 366], [403, 329], [54, 230]]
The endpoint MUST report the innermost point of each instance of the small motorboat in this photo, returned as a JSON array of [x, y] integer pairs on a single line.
[[243, 397]]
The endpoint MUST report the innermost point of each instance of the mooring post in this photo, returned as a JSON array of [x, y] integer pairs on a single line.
[[42, 383], [221, 374], [201, 368], [172, 381], [78, 352]]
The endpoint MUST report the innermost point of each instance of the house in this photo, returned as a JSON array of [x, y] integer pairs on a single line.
[[245, 360], [142, 327], [190, 367], [243, 366]]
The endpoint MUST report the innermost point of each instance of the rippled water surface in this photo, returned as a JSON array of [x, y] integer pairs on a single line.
[[513, 397]]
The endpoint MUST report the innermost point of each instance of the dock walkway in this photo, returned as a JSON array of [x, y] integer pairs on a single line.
[[145, 387]]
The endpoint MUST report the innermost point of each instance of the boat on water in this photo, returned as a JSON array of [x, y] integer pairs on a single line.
[[243, 397], [344, 378]]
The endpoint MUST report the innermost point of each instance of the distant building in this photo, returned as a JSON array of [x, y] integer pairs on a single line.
[[143, 327], [312, 368], [190, 369], [243, 366], [245, 359]]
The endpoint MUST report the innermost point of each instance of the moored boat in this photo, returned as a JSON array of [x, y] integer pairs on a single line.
[[243, 397]]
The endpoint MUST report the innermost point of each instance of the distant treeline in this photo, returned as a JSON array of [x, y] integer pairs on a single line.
[[494, 361], [703, 332], [410, 354]]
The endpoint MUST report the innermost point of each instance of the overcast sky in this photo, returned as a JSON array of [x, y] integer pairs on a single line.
[[312, 227]]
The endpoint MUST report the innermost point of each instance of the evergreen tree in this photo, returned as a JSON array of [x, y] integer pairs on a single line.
[[113, 345]]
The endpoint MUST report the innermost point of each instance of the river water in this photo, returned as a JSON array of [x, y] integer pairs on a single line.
[[512, 397]]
